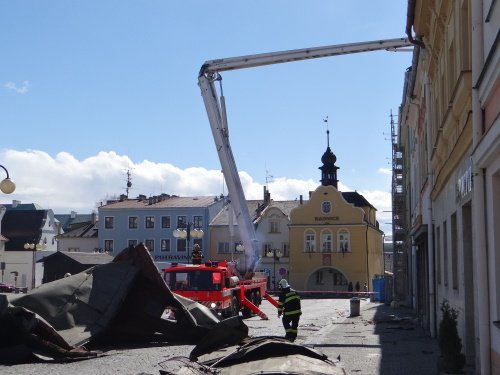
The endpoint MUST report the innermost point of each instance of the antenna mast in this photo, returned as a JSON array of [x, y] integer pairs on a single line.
[[129, 181]]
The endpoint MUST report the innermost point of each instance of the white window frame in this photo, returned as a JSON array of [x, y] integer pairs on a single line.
[[344, 241], [309, 241], [274, 226], [149, 222], [163, 245], [165, 218], [152, 242], [109, 222], [223, 248], [109, 245], [134, 222], [326, 241], [285, 249]]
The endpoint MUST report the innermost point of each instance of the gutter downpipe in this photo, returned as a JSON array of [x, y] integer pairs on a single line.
[[480, 246], [430, 231], [410, 17], [367, 254], [413, 286]]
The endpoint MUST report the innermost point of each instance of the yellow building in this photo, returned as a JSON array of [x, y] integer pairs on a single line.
[[449, 137], [334, 237]]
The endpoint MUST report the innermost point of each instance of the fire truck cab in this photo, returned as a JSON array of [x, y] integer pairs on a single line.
[[217, 286]]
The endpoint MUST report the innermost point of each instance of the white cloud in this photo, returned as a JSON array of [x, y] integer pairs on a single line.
[[66, 184], [386, 171], [23, 89]]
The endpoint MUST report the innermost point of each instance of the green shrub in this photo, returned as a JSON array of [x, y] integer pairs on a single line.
[[450, 344]]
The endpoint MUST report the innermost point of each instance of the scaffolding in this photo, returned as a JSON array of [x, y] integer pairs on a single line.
[[399, 219]]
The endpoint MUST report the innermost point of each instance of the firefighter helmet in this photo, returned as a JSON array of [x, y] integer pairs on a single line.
[[284, 284]]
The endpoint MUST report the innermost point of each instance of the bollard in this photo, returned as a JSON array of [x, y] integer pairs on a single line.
[[354, 306]]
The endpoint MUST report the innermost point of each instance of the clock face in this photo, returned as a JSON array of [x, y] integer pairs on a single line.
[[326, 207]]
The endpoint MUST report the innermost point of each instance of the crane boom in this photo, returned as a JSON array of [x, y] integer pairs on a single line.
[[252, 61], [216, 111]]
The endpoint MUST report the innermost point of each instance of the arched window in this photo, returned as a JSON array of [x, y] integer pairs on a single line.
[[326, 241], [309, 241], [344, 245]]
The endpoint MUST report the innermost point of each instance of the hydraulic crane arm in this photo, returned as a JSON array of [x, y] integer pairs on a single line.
[[216, 111], [251, 61]]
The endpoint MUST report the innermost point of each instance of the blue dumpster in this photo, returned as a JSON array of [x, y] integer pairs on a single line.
[[378, 289]]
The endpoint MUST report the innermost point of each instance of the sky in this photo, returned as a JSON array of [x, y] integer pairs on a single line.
[[92, 89]]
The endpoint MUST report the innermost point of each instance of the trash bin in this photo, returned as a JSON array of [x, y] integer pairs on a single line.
[[354, 306]]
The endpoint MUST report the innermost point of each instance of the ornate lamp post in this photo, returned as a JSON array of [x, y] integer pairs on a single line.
[[7, 186], [34, 247], [239, 250], [188, 233], [276, 254]]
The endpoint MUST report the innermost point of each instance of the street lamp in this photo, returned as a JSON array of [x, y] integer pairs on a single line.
[[7, 186], [239, 250], [276, 254], [188, 233], [32, 246]]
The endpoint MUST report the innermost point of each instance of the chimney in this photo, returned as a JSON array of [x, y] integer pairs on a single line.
[[301, 200], [73, 214], [15, 203], [267, 196]]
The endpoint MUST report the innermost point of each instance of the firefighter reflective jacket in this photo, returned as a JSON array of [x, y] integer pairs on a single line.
[[196, 256], [289, 302]]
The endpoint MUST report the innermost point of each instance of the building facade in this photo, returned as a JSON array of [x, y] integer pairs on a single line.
[[81, 237], [153, 221], [449, 134], [271, 220], [29, 233], [334, 237], [62, 263]]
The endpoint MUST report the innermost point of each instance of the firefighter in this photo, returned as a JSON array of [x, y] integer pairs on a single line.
[[196, 254], [289, 307]]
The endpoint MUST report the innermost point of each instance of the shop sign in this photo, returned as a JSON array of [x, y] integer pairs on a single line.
[[464, 184], [159, 258], [325, 218]]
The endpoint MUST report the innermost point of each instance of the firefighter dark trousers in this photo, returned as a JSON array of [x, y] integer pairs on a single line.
[[291, 324]]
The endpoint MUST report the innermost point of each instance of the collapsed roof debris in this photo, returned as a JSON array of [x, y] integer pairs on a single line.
[[117, 302], [125, 301], [272, 355]]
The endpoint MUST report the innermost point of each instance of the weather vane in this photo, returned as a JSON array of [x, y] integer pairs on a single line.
[[327, 131]]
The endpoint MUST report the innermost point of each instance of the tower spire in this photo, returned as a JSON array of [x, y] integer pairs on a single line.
[[328, 169]]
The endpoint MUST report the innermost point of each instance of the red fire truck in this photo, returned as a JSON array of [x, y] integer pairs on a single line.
[[218, 286]]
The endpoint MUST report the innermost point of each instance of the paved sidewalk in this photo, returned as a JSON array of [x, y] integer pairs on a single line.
[[380, 340]]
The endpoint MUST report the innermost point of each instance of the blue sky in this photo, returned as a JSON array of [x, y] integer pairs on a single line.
[[89, 89]]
